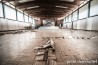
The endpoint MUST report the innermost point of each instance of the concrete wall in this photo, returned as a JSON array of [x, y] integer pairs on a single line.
[[6, 24]]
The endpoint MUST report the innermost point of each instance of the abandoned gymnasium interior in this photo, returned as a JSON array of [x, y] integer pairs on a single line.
[[48, 32]]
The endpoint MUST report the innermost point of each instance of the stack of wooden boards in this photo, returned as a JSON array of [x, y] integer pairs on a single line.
[[45, 54]]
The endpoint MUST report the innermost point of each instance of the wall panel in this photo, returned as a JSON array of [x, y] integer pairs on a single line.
[[75, 25], [64, 25], [89, 24], [0, 24], [4, 24], [81, 24], [11, 25], [69, 25], [16, 25], [94, 23]]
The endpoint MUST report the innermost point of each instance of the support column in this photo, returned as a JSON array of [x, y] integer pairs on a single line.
[[61, 23], [41, 20], [56, 22]]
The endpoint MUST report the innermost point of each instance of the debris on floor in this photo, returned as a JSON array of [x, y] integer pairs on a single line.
[[13, 32], [46, 53]]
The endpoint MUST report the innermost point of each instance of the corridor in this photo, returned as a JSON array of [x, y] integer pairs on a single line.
[[48, 32]]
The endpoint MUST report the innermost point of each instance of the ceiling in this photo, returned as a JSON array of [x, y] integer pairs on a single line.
[[46, 9]]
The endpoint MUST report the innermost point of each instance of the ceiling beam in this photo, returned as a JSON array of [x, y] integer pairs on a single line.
[[47, 8]]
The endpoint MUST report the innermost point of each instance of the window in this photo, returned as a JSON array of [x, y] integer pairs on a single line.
[[75, 15], [33, 21], [10, 13], [94, 8], [30, 19], [69, 18], [1, 10], [26, 18], [64, 21], [83, 12], [20, 16]]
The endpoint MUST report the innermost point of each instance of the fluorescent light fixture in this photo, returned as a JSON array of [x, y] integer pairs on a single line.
[[32, 7], [61, 7]]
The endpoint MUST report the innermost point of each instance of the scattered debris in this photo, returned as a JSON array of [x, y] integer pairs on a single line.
[[46, 53], [12, 32], [71, 37]]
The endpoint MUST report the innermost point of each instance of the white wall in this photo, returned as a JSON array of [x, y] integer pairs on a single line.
[[69, 25], [0, 25], [64, 25], [81, 24], [12, 25], [4, 24], [87, 24], [94, 23], [75, 25]]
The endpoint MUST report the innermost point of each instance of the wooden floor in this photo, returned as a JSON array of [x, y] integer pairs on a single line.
[[72, 47]]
